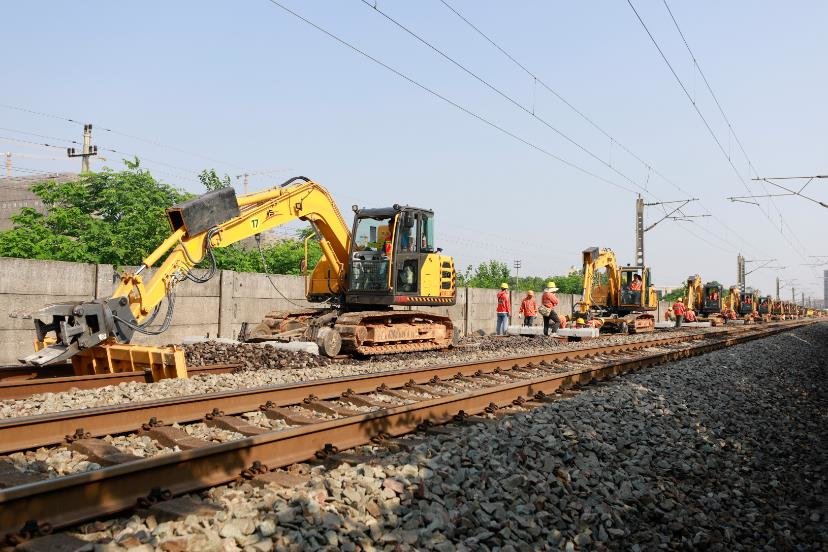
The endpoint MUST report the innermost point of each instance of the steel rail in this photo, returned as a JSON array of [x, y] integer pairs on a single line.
[[46, 429], [20, 382], [113, 489]]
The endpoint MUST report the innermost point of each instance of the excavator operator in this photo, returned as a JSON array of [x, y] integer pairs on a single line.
[[637, 283]]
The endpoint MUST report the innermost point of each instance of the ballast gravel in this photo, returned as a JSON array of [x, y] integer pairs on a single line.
[[725, 451], [250, 356], [299, 369]]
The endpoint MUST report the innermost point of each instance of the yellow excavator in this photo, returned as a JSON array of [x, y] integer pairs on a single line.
[[764, 308], [705, 300], [387, 259], [748, 302], [619, 298], [777, 310]]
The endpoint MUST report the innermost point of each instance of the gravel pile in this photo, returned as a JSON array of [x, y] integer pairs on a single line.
[[250, 356], [473, 348], [721, 452]]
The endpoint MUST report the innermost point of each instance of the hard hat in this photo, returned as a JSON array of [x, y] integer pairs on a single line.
[[530, 292], [504, 285], [580, 321]]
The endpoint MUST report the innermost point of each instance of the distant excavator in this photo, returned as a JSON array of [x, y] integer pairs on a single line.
[[706, 300], [620, 298], [388, 258], [764, 308]]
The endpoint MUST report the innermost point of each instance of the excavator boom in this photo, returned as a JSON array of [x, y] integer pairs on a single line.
[[215, 219]]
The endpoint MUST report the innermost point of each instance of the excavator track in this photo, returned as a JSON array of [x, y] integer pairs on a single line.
[[389, 332]]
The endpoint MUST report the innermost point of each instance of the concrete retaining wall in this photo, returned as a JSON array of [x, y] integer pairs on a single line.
[[216, 308]]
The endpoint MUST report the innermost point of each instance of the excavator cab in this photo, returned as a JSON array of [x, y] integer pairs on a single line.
[[765, 304], [635, 282], [394, 259], [712, 300], [747, 303]]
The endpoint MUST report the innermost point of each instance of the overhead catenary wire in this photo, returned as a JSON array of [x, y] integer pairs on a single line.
[[649, 166], [124, 134], [704, 119], [514, 101], [449, 101], [732, 131], [504, 95], [187, 173]]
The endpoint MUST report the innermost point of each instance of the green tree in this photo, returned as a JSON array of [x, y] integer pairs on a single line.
[[487, 275], [106, 217], [491, 274], [118, 218], [211, 181], [675, 294]]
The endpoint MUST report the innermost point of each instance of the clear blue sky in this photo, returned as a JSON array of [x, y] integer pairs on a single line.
[[256, 89]]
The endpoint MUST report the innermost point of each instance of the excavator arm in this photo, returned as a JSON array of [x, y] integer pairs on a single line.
[[695, 293], [594, 260], [213, 220]]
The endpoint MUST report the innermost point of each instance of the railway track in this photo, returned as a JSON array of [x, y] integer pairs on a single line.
[[313, 419], [17, 382]]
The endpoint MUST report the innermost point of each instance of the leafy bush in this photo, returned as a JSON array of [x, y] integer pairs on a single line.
[[118, 218]]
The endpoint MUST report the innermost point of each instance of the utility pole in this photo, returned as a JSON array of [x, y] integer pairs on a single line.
[[639, 231], [8, 164], [740, 272], [639, 221], [803, 298], [88, 149], [793, 295], [517, 264], [777, 288]]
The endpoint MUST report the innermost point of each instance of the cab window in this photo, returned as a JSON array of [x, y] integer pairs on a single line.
[[406, 233], [427, 238]]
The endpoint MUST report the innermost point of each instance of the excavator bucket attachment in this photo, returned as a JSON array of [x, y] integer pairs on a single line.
[[78, 326]]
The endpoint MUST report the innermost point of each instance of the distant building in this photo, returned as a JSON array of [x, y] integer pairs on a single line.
[[661, 291], [825, 289], [15, 193]]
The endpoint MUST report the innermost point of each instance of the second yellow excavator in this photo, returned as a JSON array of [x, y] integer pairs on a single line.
[[389, 258], [621, 298], [705, 300]]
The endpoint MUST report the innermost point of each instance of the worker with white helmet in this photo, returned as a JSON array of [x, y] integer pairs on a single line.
[[547, 309]]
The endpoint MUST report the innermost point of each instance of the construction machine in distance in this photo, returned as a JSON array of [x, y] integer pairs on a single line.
[[764, 308], [747, 305], [730, 306], [778, 310], [705, 300], [388, 258], [608, 297]]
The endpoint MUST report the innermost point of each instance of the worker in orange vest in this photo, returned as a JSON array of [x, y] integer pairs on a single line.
[[529, 308], [689, 316], [551, 321], [678, 310], [637, 283], [504, 309]]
